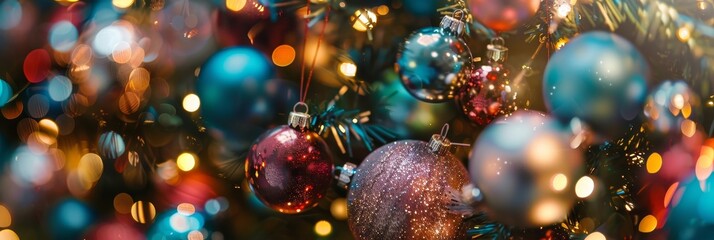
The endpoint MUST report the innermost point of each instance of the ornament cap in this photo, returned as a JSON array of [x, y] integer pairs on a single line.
[[344, 175], [299, 120], [439, 144], [453, 24], [496, 50]]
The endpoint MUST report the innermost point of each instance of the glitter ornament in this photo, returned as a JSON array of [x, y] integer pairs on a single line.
[[431, 58], [289, 167], [486, 92], [400, 191], [525, 170]]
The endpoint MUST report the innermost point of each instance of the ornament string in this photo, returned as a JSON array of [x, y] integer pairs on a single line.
[[305, 83]]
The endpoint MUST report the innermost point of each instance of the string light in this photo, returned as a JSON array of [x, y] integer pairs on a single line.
[[283, 55], [122, 3], [235, 5], [647, 224]]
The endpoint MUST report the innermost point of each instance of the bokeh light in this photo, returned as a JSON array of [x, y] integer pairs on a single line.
[[108, 37], [5, 217], [559, 182], [186, 161], [338, 208], [584, 187], [38, 105], [63, 36], [37, 65], [30, 167], [90, 168], [11, 14], [143, 212], [191, 102], [186, 209], [647, 224], [122, 3], [59, 88], [123, 203], [323, 228], [7, 234], [235, 5], [654, 163], [70, 218], [283, 55], [596, 236]]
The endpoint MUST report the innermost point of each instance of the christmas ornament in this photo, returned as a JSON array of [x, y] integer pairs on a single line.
[[692, 214], [232, 88], [400, 191], [289, 167], [503, 15], [430, 59], [486, 91], [599, 78], [524, 170], [668, 107]]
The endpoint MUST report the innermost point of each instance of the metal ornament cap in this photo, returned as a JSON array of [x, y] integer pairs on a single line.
[[299, 120], [344, 177], [439, 144], [452, 24], [496, 50]]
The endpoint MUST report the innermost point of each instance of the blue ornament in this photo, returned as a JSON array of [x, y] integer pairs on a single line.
[[111, 145], [233, 88], [669, 105], [5, 92], [429, 61], [599, 78], [692, 214]]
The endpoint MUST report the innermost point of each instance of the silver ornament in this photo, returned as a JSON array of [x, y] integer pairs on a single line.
[[525, 170]]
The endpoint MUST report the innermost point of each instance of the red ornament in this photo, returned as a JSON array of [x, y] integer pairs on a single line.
[[486, 92], [503, 15], [480, 98], [289, 169]]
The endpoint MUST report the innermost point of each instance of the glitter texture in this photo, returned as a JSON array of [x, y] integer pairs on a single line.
[[400, 192], [289, 170]]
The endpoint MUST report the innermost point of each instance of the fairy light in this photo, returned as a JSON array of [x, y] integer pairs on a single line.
[[186, 162], [584, 187], [563, 8], [338, 208], [383, 10], [323, 228], [191, 102], [683, 33], [348, 69]]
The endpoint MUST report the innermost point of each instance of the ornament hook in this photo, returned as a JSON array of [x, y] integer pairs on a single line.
[[301, 104]]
